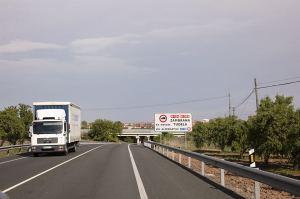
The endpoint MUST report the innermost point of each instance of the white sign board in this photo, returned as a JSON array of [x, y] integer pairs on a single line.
[[173, 122]]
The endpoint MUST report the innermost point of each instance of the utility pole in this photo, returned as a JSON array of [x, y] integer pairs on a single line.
[[229, 104], [256, 93]]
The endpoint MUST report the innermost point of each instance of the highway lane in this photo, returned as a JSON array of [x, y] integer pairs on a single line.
[[105, 172], [165, 180], [26, 166]]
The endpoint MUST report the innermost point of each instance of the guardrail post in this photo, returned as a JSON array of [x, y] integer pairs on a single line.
[[179, 159], [223, 177], [202, 168], [167, 153], [256, 189], [189, 162], [7, 153], [173, 155]]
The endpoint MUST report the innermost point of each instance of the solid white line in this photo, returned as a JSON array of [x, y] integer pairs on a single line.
[[33, 177], [143, 194], [12, 160]]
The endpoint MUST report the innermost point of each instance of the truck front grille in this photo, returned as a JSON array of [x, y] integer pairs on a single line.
[[47, 140]]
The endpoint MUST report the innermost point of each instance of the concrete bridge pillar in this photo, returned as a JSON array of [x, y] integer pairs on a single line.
[[138, 141]]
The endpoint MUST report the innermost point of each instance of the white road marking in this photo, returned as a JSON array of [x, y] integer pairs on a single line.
[[143, 194], [12, 160], [42, 173]]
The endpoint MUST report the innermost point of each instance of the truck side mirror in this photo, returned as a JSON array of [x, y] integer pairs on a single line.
[[30, 131]]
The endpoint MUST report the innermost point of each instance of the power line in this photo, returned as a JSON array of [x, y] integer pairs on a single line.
[[240, 104], [262, 87], [282, 84], [157, 105], [290, 78]]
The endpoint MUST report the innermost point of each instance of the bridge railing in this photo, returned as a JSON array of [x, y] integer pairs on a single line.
[[277, 181]]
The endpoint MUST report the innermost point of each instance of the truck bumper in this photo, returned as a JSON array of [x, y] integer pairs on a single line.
[[48, 148]]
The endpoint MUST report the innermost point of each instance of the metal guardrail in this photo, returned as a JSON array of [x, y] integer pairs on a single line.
[[7, 148], [277, 181]]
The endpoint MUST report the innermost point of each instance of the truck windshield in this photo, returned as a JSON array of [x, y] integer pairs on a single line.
[[47, 127]]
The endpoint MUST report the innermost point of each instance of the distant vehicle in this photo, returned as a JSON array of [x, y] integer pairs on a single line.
[[55, 128]]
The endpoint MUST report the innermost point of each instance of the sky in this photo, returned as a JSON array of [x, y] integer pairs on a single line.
[[127, 60]]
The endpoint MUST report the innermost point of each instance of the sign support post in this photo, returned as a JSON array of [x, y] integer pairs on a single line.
[[185, 141]]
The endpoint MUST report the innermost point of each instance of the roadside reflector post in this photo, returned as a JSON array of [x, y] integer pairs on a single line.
[[252, 158], [163, 151], [202, 168], [189, 162], [253, 165], [179, 159]]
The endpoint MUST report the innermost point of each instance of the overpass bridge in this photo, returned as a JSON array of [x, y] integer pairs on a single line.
[[140, 135]]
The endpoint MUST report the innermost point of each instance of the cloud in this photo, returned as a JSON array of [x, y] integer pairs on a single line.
[[17, 46], [209, 29], [83, 64], [90, 45], [104, 45]]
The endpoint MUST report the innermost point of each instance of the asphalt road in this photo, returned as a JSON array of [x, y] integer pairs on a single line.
[[101, 171]]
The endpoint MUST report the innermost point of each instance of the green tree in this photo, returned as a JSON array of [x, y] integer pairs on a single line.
[[26, 116], [222, 131], [240, 142], [11, 125], [84, 125], [293, 142], [2, 132], [270, 127], [200, 134], [105, 130]]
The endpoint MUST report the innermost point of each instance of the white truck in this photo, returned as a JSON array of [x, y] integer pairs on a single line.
[[56, 127]]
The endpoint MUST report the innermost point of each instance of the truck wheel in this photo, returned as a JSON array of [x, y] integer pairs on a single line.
[[35, 154], [66, 151], [73, 149]]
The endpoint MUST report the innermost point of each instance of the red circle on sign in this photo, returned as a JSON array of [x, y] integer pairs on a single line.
[[163, 118]]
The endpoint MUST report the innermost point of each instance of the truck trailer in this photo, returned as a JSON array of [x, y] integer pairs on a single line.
[[55, 128]]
